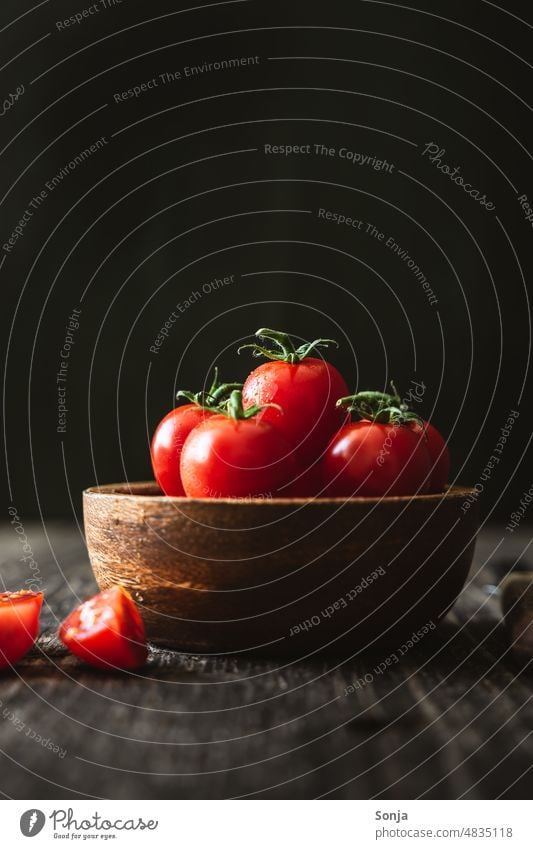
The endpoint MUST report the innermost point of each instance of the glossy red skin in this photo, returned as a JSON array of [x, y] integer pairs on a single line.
[[307, 392], [439, 454], [167, 444], [106, 631], [224, 458], [19, 624], [374, 460]]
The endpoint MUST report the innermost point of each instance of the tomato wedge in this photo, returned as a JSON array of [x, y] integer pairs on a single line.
[[106, 631], [19, 624]]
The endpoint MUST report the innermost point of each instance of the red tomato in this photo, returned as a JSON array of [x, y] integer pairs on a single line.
[[106, 631], [235, 456], [19, 624], [305, 387], [167, 444], [439, 454], [173, 430], [370, 459]]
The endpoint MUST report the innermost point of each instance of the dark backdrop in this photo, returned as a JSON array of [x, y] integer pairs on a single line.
[[180, 192]]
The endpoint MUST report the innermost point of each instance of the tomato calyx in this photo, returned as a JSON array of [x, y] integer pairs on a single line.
[[234, 409], [380, 407], [214, 398], [287, 352]]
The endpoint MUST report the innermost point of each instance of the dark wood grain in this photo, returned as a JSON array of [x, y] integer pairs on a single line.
[[451, 719]]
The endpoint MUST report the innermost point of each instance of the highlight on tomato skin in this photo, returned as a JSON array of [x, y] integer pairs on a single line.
[[107, 631], [19, 624]]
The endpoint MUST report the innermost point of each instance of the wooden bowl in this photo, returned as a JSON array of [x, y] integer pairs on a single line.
[[283, 576]]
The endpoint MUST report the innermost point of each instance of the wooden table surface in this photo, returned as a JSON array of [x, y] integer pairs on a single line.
[[452, 719]]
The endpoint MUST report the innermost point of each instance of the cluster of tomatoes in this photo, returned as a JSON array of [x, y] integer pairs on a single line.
[[287, 433], [105, 631]]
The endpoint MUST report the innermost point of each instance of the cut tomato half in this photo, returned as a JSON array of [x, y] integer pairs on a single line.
[[106, 631], [19, 624]]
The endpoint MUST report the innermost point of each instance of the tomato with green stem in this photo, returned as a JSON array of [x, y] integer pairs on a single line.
[[19, 624], [174, 428], [435, 442], [236, 454], [380, 455], [305, 387]]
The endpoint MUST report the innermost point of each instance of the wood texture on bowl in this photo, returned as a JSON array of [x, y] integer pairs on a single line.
[[285, 576]]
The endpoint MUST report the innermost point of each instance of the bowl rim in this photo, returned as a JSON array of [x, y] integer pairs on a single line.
[[117, 490]]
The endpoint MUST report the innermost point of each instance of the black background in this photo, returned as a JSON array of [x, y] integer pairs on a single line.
[[183, 193]]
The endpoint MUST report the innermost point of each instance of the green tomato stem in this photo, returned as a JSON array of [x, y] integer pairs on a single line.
[[235, 410], [287, 352], [380, 407], [214, 398]]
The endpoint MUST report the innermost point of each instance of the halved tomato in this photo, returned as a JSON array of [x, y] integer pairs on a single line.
[[106, 631], [19, 624]]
